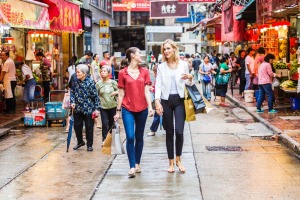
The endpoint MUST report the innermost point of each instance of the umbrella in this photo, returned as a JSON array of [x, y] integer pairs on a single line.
[[70, 131], [160, 122]]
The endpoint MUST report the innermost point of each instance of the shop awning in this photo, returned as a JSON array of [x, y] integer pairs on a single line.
[[207, 22], [248, 13], [53, 9], [24, 14], [69, 19]]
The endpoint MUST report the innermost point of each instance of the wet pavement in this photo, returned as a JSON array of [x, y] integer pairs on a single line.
[[228, 155]]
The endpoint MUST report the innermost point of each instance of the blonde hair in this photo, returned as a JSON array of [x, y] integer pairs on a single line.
[[176, 57]]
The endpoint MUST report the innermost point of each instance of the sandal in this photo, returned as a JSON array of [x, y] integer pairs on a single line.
[[171, 169], [131, 173], [180, 167], [138, 169]]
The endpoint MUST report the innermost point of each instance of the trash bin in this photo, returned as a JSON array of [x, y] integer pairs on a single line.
[[249, 96]]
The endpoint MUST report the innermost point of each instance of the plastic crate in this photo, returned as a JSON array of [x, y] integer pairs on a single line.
[[34, 119], [54, 111], [295, 103]]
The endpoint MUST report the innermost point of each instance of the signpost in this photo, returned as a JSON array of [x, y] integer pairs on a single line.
[[104, 36]]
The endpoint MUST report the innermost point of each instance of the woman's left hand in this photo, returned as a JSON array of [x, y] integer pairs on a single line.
[[114, 93], [151, 112]]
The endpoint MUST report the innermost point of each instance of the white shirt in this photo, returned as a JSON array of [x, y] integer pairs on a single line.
[[26, 71], [71, 71], [173, 81], [249, 61], [163, 80], [10, 69]]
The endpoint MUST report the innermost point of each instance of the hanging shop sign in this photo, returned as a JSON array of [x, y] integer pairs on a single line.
[[69, 19], [87, 21], [167, 9], [135, 5], [197, 1], [23, 15]]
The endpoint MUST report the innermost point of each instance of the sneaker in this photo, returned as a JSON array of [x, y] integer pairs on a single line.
[[273, 111], [260, 110], [151, 134]]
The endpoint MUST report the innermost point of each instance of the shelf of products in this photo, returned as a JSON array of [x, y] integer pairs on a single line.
[[269, 40]]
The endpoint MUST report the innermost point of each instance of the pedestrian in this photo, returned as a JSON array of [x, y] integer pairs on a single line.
[[84, 101], [232, 65], [265, 75], [46, 74], [110, 61], [172, 76], [86, 59], [189, 60], [259, 58], [107, 91], [195, 64], [222, 79], [206, 69], [156, 119], [95, 69], [134, 99], [29, 81], [249, 73], [240, 63], [152, 61], [8, 78], [72, 68]]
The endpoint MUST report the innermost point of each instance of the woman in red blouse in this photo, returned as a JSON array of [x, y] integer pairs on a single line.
[[134, 98]]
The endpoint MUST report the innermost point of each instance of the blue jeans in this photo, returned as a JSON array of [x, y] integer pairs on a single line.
[[134, 124], [265, 89], [206, 88], [248, 82], [155, 123], [29, 90]]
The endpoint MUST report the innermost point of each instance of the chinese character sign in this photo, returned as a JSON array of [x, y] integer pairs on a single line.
[[69, 19], [132, 5], [167, 9], [23, 14]]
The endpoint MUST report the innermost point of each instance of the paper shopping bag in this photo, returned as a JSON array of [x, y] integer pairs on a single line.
[[106, 149]]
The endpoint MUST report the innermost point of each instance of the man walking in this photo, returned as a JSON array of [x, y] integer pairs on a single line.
[[195, 64], [8, 77], [45, 68], [110, 61], [249, 73]]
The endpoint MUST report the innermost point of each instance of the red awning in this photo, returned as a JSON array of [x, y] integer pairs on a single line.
[[64, 16], [52, 10], [207, 22]]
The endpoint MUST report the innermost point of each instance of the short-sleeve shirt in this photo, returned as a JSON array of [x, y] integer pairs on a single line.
[[10, 69], [249, 61], [26, 71], [134, 99], [106, 62]]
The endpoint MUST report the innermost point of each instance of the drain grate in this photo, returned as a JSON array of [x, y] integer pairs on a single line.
[[224, 148]]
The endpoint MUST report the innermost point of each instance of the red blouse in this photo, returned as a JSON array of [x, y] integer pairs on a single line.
[[134, 98]]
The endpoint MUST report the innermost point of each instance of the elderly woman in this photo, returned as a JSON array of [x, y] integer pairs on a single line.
[[84, 101], [172, 76]]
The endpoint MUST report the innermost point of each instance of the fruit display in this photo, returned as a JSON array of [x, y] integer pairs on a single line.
[[282, 48], [280, 65], [288, 84]]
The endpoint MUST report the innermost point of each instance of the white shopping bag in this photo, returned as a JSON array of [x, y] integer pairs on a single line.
[[116, 143]]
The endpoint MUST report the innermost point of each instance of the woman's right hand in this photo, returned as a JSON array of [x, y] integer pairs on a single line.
[[73, 105], [159, 108], [117, 116]]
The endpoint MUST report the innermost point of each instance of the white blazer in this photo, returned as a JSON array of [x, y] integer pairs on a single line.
[[163, 80]]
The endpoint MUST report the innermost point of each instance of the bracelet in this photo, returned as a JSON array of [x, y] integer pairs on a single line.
[[118, 109]]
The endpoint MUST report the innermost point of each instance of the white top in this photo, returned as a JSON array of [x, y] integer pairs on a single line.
[[26, 71], [10, 69], [206, 67], [249, 61], [71, 71], [173, 81], [163, 80]]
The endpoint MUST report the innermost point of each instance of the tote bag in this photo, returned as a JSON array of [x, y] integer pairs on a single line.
[[190, 114], [116, 143], [196, 98]]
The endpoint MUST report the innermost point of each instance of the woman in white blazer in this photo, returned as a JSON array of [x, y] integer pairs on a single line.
[[172, 76]]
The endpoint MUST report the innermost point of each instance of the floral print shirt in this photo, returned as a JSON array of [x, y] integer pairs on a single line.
[[85, 96]]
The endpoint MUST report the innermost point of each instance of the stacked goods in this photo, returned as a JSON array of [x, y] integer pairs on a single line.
[[288, 84]]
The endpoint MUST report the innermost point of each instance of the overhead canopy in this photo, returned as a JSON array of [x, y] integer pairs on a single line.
[[248, 13], [207, 22]]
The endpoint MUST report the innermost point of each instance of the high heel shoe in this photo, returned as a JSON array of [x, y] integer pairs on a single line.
[[180, 167], [131, 173]]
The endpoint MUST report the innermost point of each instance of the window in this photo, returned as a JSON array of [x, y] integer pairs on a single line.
[[120, 18], [137, 18], [104, 5], [95, 2]]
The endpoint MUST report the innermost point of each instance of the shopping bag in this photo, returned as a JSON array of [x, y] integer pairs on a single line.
[[196, 98], [116, 143], [190, 114], [106, 149]]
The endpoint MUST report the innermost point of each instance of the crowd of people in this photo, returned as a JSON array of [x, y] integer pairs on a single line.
[[92, 89]]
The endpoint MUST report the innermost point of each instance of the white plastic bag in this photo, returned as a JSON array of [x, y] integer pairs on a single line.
[[116, 143]]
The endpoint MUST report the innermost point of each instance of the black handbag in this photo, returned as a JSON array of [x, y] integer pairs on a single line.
[[196, 98]]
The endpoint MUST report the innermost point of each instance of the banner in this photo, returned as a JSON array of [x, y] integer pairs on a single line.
[[16, 13], [69, 19], [134, 5], [228, 16], [167, 9], [197, 1]]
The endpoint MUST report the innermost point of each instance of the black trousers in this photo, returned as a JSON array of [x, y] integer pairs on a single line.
[[79, 118], [11, 102], [107, 119], [46, 85], [242, 85], [174, 111]]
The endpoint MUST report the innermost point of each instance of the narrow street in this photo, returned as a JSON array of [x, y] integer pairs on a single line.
[[227, 155]]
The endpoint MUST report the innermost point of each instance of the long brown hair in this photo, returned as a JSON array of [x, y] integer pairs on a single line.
[[129, 52]]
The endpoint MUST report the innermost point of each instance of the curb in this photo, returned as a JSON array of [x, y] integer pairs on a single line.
[[9, 125], [286, 140]]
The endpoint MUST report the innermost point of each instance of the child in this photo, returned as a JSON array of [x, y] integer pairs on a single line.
[[156, 119]]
